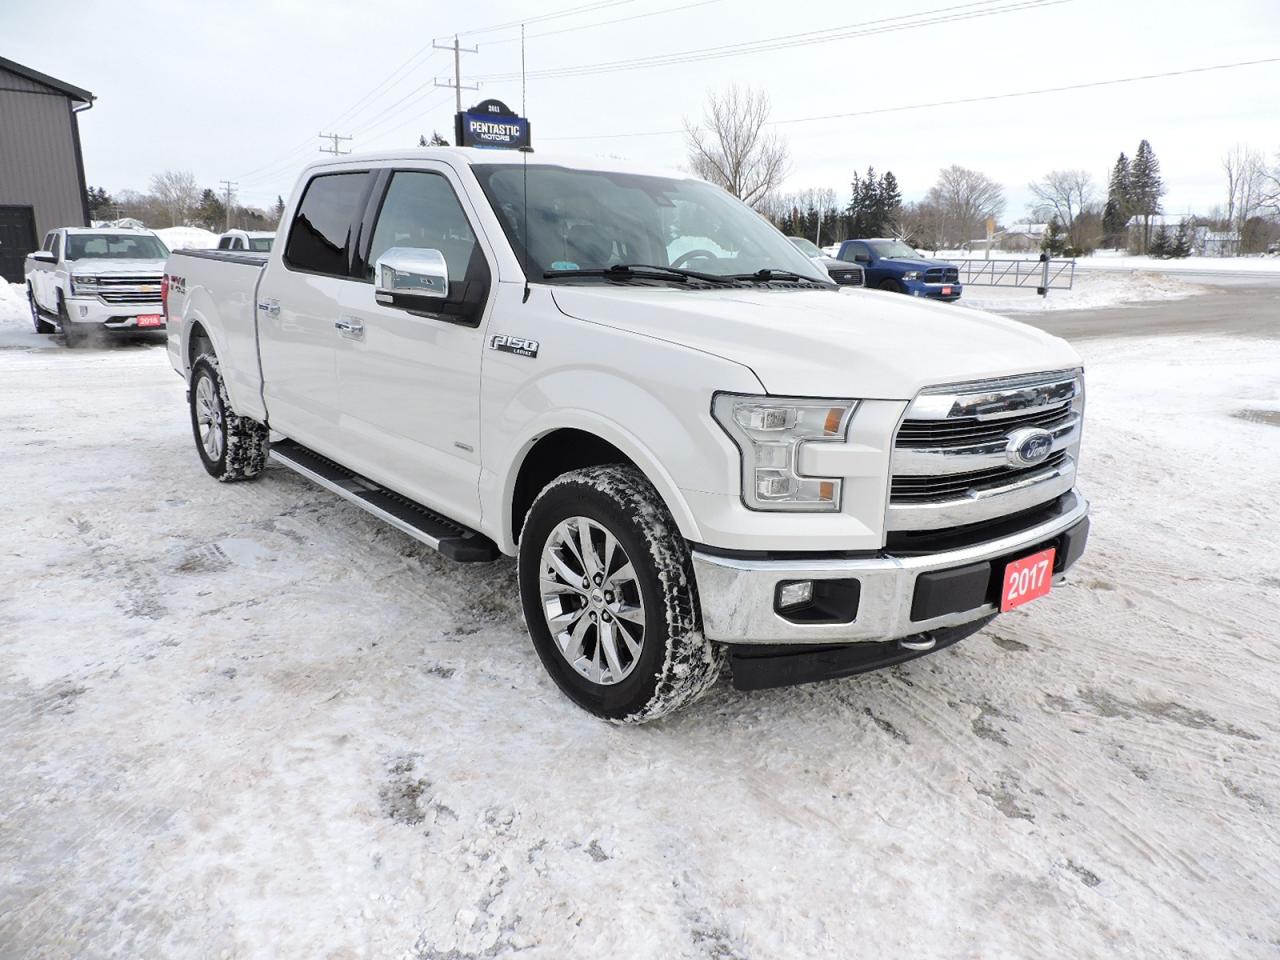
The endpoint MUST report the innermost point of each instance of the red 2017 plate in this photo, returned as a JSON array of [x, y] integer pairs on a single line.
[[1027, 579], [150, 320]]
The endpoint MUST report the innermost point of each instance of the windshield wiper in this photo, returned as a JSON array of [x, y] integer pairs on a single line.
[[766, 275], [638, 271]]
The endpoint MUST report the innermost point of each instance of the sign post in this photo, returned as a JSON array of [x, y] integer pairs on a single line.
[[492, 124]]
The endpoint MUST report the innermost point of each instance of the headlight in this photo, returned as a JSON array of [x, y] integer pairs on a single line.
[[769, 432], [83, 283], [912, 275]]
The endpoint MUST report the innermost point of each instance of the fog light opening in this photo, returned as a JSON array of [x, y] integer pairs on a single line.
[[794, 594]]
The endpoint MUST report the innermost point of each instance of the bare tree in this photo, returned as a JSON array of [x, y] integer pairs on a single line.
[[1064, 194], [921, 224], [964, 199], [177, 191], [733, 151], [1246, 171]]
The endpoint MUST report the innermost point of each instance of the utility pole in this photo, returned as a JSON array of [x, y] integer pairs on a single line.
[[335, 149], [229, 185], [457, 84]]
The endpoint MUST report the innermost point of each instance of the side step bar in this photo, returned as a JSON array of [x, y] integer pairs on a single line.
[[453, 540]]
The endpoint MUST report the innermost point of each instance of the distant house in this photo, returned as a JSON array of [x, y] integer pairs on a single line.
[[1022, 237], [1223, 243], [41, 169]]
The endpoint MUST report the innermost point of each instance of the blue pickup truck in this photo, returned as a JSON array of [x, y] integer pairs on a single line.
[[894, 265]]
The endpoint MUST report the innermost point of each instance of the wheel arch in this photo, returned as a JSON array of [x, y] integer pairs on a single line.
[[582, 441]]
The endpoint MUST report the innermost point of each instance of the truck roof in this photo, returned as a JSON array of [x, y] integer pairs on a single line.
[[476, 155], [124, 231]]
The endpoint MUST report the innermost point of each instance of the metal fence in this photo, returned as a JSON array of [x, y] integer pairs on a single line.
[[1043, 275]]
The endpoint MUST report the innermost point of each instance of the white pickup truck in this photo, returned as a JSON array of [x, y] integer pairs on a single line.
[[259, 241], [89, 281], [697, 457]]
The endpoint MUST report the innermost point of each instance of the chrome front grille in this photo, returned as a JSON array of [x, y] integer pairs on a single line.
[[949, 486], [973, 452], [121, 296], [969, 430], [125, 288]]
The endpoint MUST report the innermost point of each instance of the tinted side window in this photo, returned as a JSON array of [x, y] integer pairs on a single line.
[[324, 228], [48, 241], [224, 243], [421, 210], [57, 246]]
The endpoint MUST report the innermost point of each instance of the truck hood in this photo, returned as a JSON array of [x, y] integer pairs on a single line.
[[109, 267], [854, 343], [900, 263]]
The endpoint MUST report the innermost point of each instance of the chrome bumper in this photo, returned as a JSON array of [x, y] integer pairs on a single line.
[[737, 595]]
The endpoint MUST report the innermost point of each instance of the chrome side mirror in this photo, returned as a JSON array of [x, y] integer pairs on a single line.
[[411, 277]]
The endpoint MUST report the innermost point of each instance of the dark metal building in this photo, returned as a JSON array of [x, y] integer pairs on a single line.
[[41, 168]]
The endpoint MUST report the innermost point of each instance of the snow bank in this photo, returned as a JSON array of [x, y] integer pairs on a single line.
[[188, 238], [1090, 291], [14, 311]]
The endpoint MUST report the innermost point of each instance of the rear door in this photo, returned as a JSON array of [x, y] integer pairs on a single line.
[[410, 381], [304, 290], [17, 239]]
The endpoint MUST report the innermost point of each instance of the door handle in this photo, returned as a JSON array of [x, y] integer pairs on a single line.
[[350, 327]]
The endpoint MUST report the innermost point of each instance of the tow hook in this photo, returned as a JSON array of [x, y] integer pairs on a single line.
[[920, 642]]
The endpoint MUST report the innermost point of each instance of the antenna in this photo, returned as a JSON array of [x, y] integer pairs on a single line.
[[524, 107], [524, 164]]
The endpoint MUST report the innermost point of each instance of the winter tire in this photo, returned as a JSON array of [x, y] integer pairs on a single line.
[[41, 324], [891, 285], [609, 597], [75, 336], [230, 447]]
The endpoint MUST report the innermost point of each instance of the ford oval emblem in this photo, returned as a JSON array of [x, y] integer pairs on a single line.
[[1028, 447]]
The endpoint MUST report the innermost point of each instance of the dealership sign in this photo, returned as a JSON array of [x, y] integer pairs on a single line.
[[491, 123]]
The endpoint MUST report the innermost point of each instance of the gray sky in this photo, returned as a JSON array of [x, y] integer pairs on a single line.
[[239, 89]]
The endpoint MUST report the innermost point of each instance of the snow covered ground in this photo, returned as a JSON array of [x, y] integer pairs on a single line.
[[248, 720], [1090, 291]]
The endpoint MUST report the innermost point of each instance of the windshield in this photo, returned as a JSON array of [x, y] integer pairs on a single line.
[[114, 246], [260, 244], [807, 247], [894, 249], [593, 220]]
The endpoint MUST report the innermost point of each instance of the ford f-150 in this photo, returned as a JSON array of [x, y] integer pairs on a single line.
[[698, 457]]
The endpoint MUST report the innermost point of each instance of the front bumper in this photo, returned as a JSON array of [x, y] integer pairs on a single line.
[[896, 595], [95, 312], [933, 291]]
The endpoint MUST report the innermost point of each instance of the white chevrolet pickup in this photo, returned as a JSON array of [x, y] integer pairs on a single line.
[[96, 281], [699, 448]]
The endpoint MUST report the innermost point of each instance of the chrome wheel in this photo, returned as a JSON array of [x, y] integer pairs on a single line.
[[591, 600], [209, 418]]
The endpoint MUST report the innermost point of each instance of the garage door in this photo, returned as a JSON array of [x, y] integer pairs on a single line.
[[17, 239]]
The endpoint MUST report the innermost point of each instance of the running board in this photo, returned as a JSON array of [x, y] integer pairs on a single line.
[[453, 540]]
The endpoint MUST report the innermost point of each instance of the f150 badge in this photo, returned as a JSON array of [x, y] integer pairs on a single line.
[[517, 345]]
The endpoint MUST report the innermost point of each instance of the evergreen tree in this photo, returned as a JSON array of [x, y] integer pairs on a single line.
[[1161, 244], [890, 198], [1119, 207], [1055, 239], [435, 141], [1146, 188], [1181, 245], [277, 212], [101, 206], [211, 212], [874, 204]]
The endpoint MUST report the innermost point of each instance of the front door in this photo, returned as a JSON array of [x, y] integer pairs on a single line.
[[17, 239], [410, 382]]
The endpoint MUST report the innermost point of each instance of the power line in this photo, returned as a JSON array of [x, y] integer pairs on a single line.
[[679, 8], [939, 15], [955, 102], [542, 18]]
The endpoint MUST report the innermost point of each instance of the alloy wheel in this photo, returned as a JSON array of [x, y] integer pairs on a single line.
[[209, 418], [591, 600]]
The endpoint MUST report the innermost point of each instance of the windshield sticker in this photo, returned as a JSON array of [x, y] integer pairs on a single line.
[[564, 265]]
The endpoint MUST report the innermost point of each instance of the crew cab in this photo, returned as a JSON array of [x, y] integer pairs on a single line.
[[699, 450], [844, 274], [259, 241], [91, 281], [895, 265]]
